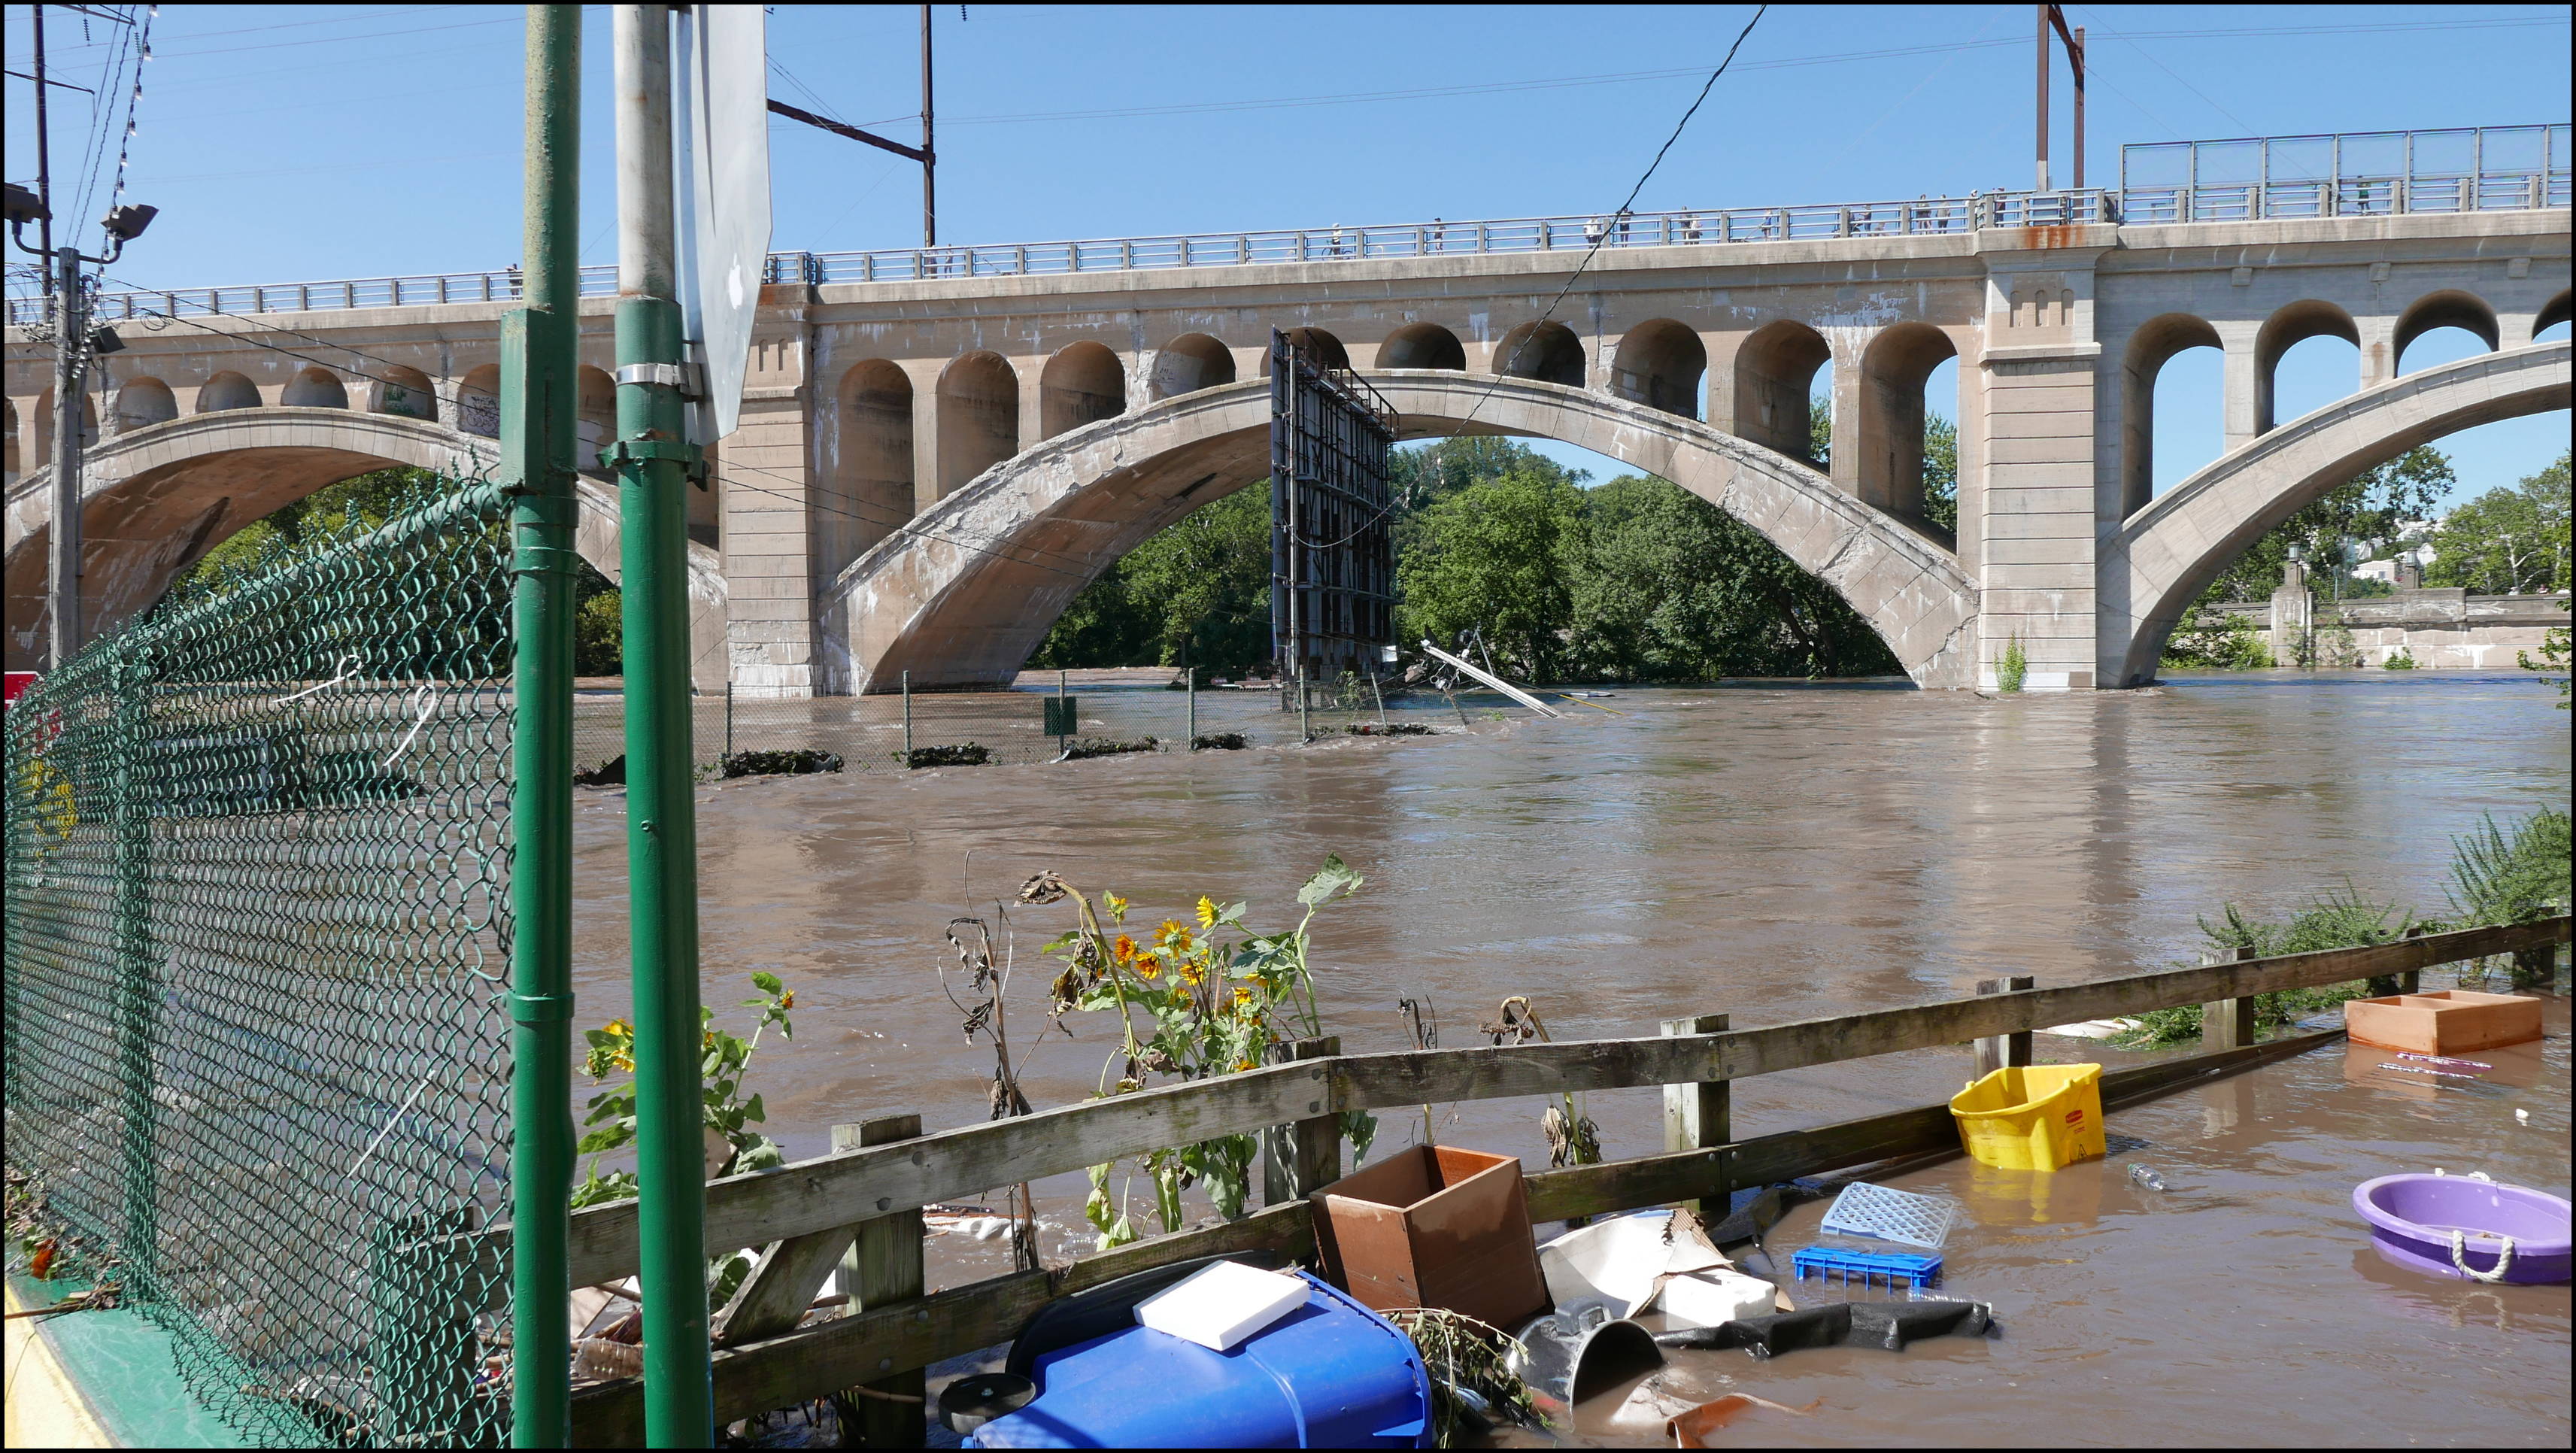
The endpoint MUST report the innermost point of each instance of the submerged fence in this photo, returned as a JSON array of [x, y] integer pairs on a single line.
[[891, 733], [258, 944]]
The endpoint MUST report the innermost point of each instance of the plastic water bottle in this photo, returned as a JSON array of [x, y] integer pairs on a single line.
[[2146, 1176]]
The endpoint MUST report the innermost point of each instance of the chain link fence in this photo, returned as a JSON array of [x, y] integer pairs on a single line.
[[993, 728], [258, 944]]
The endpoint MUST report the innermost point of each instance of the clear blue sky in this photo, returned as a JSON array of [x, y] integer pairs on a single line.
[[315, 141]]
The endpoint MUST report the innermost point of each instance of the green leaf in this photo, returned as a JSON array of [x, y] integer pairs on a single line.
[[1334, 878], [750, 1111], [768, 983], [599, 1038]]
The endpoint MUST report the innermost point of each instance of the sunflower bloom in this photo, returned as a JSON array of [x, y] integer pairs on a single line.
[[1207, 911], [1243, 1064], [1242, 997], [1148, 966], [1192, 972], [1117, 906], [1124, 949], [785, 1001]]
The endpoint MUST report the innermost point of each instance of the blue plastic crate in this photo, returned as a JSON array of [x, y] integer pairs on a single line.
[[1895, 1268]]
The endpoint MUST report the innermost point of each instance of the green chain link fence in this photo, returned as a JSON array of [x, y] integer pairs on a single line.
[[258, 948]]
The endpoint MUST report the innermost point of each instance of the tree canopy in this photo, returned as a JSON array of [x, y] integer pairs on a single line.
[[2507, 541]]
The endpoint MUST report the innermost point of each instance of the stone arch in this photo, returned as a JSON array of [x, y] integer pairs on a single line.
[[594, 418], [227, 390], [406, 392], [1083, 384], [44, 422], [962, 599], [979, 417], [1546, 350], [315, 388], [1189, 363], [869, 491], [1320, 346], [478, 402], [1422, 345], [2165, 554], [2551, 314], [2449, 308], [1659, 363], [141, 401], [155, 499], [1888, 439], [1775, 370], [2286, 329], [2151, 347]]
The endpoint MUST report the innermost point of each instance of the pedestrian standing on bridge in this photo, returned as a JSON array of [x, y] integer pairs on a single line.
[[1690, 227], [1594, 231]]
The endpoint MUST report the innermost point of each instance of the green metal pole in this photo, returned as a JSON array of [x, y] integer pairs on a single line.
[[653, 459], [539, 356]]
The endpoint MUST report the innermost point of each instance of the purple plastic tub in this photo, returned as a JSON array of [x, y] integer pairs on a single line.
[[2412, 1218]]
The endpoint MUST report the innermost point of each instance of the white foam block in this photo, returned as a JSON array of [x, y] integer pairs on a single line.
[[1707, 1298], [1220, 1306]]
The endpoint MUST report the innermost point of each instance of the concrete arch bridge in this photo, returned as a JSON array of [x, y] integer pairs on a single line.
[[156, 498], [920, 432]]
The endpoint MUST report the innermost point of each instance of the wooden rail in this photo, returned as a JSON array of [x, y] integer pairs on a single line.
[[821, 1199]]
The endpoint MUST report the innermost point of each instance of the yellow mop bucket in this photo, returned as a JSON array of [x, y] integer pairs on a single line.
[[2034, 1117]]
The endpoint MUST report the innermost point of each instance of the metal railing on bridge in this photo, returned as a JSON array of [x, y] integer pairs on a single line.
[[2476, 169]]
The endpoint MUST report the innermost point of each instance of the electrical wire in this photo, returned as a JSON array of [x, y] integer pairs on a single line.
[[1599, 240]]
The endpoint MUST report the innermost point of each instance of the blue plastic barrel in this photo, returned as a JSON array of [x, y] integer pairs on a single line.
[[1331, 1374]]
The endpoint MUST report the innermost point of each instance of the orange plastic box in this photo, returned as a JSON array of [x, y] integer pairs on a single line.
[[2445, 1021]]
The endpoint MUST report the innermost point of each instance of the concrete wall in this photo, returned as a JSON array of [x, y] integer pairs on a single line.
[[2450, 630], [871, 402]]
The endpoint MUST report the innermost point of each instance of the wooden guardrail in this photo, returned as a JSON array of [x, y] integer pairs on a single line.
[[803, 1214]]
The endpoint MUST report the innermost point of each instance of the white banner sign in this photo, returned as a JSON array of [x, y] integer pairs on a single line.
[[720, 127]]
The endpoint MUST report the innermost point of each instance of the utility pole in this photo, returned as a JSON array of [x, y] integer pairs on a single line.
[[72, 344], [929, 152], [2043, 96], [653, 461], [2055, 16], [539, 447]]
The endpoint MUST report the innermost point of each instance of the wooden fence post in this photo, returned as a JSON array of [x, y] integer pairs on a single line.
[[1699, 1116], [2227, 1023], [884, 1266], [2002, 1051], [2382, 985], [1304, 1155]]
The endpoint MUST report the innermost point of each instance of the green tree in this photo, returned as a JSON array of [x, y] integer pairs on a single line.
[[1494, 558], [1667, 587], [1940, 460], [2507, 541], [2371, 506], [1418, 478], [1198, 591]]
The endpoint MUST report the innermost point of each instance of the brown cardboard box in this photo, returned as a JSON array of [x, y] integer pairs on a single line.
[[1435, 1226], [2446, 1021]]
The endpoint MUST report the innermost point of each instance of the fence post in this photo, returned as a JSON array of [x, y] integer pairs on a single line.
[[2382, 985], [907, 718], [728, 751], [1303, 1155], [884, 1266], [138, 998], [1699, 1116], [2002, 1051], [1190, 698], [2227, 1023]]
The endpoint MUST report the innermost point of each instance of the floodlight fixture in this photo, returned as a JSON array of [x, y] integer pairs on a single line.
[[127, 222], [24, 206], [106, 341]]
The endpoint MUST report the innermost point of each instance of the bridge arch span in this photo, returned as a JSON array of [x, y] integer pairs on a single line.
[[2165, 554], [962, 595], [154, 500]]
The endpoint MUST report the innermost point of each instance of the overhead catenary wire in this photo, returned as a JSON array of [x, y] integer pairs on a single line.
[[1600, 239]]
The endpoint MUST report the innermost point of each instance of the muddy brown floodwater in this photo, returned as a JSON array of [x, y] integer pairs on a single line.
[[1774, 853]]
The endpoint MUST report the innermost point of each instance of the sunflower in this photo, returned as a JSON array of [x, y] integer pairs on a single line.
[[1207, 911], [1148, 966], [1124, 949]]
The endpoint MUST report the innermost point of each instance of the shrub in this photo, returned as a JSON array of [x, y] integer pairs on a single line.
[[611, 773], [1388, 729], [1079, 748], [2015, 668], [2338, 920], [788, 763], [2401, 659], [1218, 742], [966, 754]]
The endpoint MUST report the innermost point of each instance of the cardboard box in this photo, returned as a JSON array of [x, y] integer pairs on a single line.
[[1434, 1226]]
